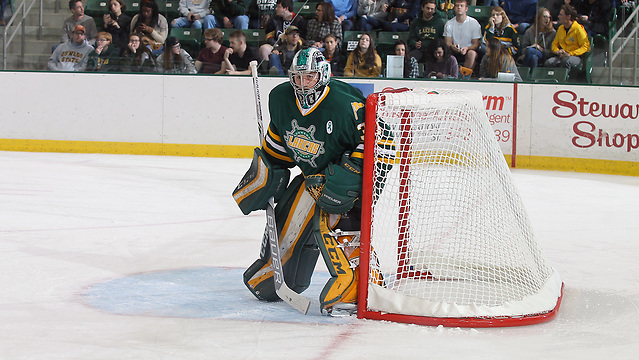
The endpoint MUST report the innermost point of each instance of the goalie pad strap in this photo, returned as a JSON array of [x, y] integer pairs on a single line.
[[261, 181]]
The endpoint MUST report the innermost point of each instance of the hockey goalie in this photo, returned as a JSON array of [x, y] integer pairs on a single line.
[[317, 124]]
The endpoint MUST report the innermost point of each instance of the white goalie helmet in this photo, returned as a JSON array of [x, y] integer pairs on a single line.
[[309, 64]]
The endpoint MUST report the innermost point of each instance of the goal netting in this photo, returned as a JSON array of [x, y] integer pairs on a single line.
[[445, 236]]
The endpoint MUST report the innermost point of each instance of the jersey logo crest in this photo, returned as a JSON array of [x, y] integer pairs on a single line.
[[303, 143], [329, 127]]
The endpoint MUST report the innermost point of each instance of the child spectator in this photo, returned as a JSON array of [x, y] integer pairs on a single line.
[[281, 58], [105, 56], [209, 60], [238, 56], [195, 14], [364, 60], [334, 55], [174, 59], [150, 25], [136, 57], [499, 27], [325, 23], [71, 55], [117, 23], [440, 63], [537, 42], [497, 59], [78, 17], [230, 14]]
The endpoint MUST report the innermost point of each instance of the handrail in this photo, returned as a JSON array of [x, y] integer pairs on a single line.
[[20, 25], [612, 55]]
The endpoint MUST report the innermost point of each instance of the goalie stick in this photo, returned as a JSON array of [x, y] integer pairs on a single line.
[[297, 301]]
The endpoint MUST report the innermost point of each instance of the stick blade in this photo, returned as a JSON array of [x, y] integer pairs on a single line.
[[298, 302]]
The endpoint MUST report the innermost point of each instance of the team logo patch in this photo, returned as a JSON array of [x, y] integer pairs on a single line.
[[303, 143], [329, 127]]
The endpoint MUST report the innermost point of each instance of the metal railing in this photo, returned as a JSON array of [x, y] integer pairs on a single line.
[[11, 31], [612, 55]]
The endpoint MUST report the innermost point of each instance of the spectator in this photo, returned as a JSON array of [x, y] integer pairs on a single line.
[[499, 27], [117, 23], [260, 12], [326, 23], [136, 57], [597, 16], [520, 12], [537, 42], [372, 14], [411, 67], [195, 14], [105, 56], [78, 17], [174, 59], [230, 14], [150, 25], [277, 25], [440, 63], [238, 56], [281, 58], [426, 28], [401, 13], [571, 41], [491, 3], [3, 6], [71, 55], [497, 59], [462, 34], [364, 61], [334, 55], [345, 12], [209, 60]]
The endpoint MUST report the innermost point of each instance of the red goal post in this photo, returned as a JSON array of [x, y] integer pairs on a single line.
[[445, 238]]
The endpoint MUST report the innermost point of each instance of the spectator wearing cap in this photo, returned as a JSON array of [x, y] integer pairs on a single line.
[[281, 58], [78, 17], [71, 55]]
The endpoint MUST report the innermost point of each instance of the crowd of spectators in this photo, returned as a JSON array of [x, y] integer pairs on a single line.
[[443, 40]]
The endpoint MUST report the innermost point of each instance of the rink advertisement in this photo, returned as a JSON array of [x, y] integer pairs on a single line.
[[585, 122]]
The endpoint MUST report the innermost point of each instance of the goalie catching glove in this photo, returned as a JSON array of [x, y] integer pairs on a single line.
[[337, 190], [261, 181]]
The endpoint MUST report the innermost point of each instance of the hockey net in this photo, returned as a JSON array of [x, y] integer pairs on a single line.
[[445, 237]]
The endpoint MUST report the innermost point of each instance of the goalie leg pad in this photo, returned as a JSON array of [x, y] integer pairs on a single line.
[[341, 259], [293, 216], [261, 181]]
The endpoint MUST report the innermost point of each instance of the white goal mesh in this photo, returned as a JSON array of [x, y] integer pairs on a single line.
[[448, 230]]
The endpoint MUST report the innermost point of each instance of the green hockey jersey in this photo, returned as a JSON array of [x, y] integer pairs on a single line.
[[313, 138]]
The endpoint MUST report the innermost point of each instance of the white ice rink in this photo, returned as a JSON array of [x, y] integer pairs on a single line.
[[140, 257]]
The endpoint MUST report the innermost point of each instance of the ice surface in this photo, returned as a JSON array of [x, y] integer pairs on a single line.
[[140, 257]]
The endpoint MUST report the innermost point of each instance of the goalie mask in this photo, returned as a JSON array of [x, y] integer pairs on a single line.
[[309, 74]]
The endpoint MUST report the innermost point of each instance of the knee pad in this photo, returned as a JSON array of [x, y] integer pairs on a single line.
[[293, 216]]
